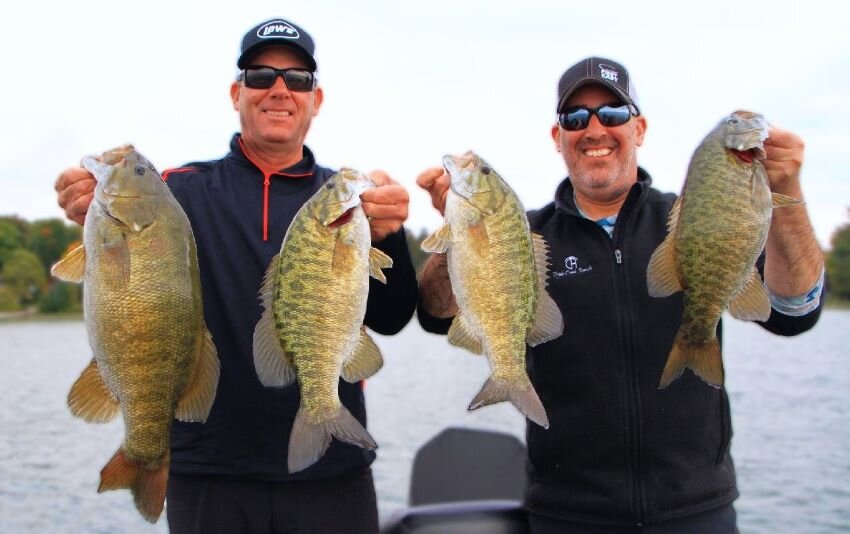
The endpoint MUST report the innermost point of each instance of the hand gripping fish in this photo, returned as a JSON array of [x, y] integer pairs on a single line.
[[314, 297], [154, 358], [498, 271], [716, 231]]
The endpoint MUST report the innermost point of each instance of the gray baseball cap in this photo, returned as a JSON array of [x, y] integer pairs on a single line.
[[598, 70]]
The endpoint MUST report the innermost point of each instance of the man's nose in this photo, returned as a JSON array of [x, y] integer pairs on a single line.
[[279, 86]]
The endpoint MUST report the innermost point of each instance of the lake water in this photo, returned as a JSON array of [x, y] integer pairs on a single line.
[[790, 403]]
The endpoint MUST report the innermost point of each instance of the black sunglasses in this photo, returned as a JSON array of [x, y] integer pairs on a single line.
[[262, 77], [578, 117]]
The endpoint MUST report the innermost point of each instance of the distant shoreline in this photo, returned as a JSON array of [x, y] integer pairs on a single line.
[[34, 315]]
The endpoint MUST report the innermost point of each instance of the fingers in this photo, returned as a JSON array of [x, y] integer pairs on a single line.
[[428, 178], [386, 205], [783, 160], [75, 190], [436, 182]]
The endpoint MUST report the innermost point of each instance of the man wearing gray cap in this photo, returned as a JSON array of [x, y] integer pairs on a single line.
[[622, 455], [230, 474]]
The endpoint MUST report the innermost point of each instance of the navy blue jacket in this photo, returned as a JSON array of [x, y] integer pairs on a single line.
[[619, 450], [239, 217]]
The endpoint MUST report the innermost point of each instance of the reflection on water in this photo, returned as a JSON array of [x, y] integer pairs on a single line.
[[789, 401]]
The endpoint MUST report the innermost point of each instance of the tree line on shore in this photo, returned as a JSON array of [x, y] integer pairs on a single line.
[[29, 248]]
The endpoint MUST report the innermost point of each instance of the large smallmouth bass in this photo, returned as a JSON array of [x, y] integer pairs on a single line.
[[311, 330], [498, 270], [154, 358], [717, 230]]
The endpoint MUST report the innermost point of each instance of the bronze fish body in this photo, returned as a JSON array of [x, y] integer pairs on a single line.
[[716, 231], [498, 270], [314, 298], [154, 358]]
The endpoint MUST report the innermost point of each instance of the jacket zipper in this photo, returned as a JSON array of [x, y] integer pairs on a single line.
[[634, 408], [266, 182]]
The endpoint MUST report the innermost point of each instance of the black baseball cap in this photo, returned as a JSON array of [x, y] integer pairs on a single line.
[[601, 71], [277, 32]]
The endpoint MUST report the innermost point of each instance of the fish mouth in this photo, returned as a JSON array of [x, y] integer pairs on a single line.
[[747, 156], [342, 219]]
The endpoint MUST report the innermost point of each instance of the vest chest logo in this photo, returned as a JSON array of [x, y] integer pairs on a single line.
[[572, 266]]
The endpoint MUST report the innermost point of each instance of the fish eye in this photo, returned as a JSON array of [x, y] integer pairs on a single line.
[[139, 170], [329, 185], [485, 170]]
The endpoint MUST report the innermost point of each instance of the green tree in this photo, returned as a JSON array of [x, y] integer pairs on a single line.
[[61, 297], [24, 275], [50, 238], [838, 263], [11, 238], [8, 300]]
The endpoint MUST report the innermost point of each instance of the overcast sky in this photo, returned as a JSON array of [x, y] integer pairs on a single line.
[[408, 82]]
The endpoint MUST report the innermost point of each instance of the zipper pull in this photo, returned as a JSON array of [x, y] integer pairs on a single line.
[[618, 256]]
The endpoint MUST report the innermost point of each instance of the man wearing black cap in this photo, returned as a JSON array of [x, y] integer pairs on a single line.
[[230, 473], [620, 455]]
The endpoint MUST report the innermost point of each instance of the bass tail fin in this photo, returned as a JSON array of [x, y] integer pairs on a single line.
[[525, 399], [147, 485], [701, 358], [309, 441]]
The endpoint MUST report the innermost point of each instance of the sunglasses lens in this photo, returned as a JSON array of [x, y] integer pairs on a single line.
[[613, 116], [299, 80], [575, 119], [260, 78]]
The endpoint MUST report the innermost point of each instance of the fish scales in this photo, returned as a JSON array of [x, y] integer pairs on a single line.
[[498, 273], [154, 359], [311, 330], [718, 229], [498, 291], [158, 314], [319, 338], [719, 219]]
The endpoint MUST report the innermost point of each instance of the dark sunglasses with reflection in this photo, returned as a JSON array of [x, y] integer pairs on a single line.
[[263, 77], [576, 118]]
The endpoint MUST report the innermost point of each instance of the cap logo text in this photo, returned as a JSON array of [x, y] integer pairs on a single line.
[[277, 29], [607, 72]]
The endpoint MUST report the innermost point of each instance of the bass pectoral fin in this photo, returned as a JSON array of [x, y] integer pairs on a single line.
[[752, 302], [72, 266], [439, 240], [379, 260], [365, 361], [479, 239], [662, 274], [90, 398], [274, 367], [197, 399], [462, 335]]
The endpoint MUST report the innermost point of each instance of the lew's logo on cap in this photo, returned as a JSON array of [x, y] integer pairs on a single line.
[[607, 72], [277, 28]]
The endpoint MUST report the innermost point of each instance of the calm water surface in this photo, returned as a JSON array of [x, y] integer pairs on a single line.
[[790, 403]]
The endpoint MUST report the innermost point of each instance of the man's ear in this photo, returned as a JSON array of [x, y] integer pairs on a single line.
[[556, 136], [640, 129], [235, 87]]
